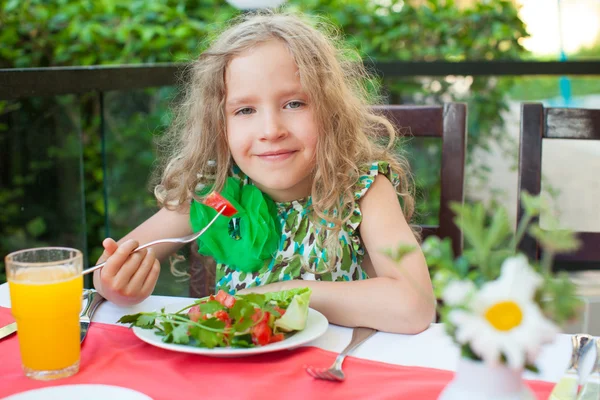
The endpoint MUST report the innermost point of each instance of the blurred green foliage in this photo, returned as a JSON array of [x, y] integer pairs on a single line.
[[44, 33]]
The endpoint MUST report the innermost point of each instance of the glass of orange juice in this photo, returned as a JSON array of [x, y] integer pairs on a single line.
[[46, 286]]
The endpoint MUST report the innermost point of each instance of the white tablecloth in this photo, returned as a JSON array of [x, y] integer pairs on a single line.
[[431, 348]]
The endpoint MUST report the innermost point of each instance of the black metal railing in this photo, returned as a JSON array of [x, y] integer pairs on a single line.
[[28, 82]]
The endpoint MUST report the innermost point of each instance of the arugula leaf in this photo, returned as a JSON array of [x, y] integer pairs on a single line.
[[141, 320], [208, 338], [129, 319], [257, 299], [146, 321], [241, 310], [167, 327], [211, 307], [242, 325], [244, 341], [180, 334]]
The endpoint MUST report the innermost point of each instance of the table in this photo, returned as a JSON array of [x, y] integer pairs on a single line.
[[431, 348]]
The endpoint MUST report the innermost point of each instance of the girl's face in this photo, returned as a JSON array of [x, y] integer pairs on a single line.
[[270, 122]]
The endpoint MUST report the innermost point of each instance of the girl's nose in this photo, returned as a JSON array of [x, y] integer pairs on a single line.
[[273, 127]]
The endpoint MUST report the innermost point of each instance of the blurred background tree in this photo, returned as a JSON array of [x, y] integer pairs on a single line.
[[43, 33]]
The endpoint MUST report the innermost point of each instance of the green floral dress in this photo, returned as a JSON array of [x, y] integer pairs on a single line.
[[301, 243]]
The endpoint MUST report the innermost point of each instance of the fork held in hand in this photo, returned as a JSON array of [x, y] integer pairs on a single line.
[[335, 373], [184, 239]]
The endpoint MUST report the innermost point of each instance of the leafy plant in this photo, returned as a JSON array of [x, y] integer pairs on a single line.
[[493, 286]]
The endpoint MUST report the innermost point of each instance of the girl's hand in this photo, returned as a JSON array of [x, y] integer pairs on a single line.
[[127, 278]]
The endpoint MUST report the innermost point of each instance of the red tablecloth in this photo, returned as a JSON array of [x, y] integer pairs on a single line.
[[113, 355]]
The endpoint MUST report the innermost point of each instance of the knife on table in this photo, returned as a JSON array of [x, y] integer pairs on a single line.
[[567, 387], [94, 299], [8, 330]]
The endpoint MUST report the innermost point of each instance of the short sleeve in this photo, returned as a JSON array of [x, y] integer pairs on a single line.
[[365, 180], [368, 174]]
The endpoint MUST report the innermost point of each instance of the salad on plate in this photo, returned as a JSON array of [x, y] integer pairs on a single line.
[[235, 321]]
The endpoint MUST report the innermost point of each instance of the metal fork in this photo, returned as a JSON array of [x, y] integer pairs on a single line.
[[335, 373], [184, 239], [568, 385], [591, 389]]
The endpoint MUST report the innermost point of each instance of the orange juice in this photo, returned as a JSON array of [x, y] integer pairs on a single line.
[[46, 302]]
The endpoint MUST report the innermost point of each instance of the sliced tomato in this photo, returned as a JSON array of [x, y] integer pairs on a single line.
[[261, 316], [223, 316], [225, 299], [216, 201], [277, 338], [280, 310], [261, 334], [194, 313]]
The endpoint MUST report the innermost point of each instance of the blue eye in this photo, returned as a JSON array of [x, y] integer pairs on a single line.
[[294, 104], [244, 111]]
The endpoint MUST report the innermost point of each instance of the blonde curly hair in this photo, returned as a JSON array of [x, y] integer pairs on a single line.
[[334, 79]]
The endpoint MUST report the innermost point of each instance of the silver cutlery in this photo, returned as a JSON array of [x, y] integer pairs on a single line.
[[567, 387], [591, 388], [8, 330], [335, 373], [94, 299], [183, 239]]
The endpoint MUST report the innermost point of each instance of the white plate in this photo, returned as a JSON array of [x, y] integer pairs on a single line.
[[316, 325], [78, 392]]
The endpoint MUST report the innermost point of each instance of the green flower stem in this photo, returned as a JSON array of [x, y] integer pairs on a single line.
[[483, 264], [547, 258], [521, 229]]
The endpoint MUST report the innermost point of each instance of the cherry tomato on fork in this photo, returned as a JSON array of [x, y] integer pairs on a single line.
[[216, 201]]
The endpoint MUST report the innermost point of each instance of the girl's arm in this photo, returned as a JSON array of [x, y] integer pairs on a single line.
[[397, 298], [129, 278]]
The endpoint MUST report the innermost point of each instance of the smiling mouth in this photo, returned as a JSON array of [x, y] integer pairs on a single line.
[[277, 156]]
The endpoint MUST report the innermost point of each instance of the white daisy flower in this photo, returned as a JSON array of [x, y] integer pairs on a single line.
[[457, 292], [503, 319]]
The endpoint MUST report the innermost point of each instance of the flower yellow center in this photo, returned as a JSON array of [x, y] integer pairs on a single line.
[[504, 315]]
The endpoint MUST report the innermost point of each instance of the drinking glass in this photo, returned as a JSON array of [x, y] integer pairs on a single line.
[[46, 286]]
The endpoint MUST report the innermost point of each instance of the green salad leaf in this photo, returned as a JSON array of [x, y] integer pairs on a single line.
[[296, 315]]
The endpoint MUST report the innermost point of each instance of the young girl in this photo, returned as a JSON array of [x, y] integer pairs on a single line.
[[279, 123]]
